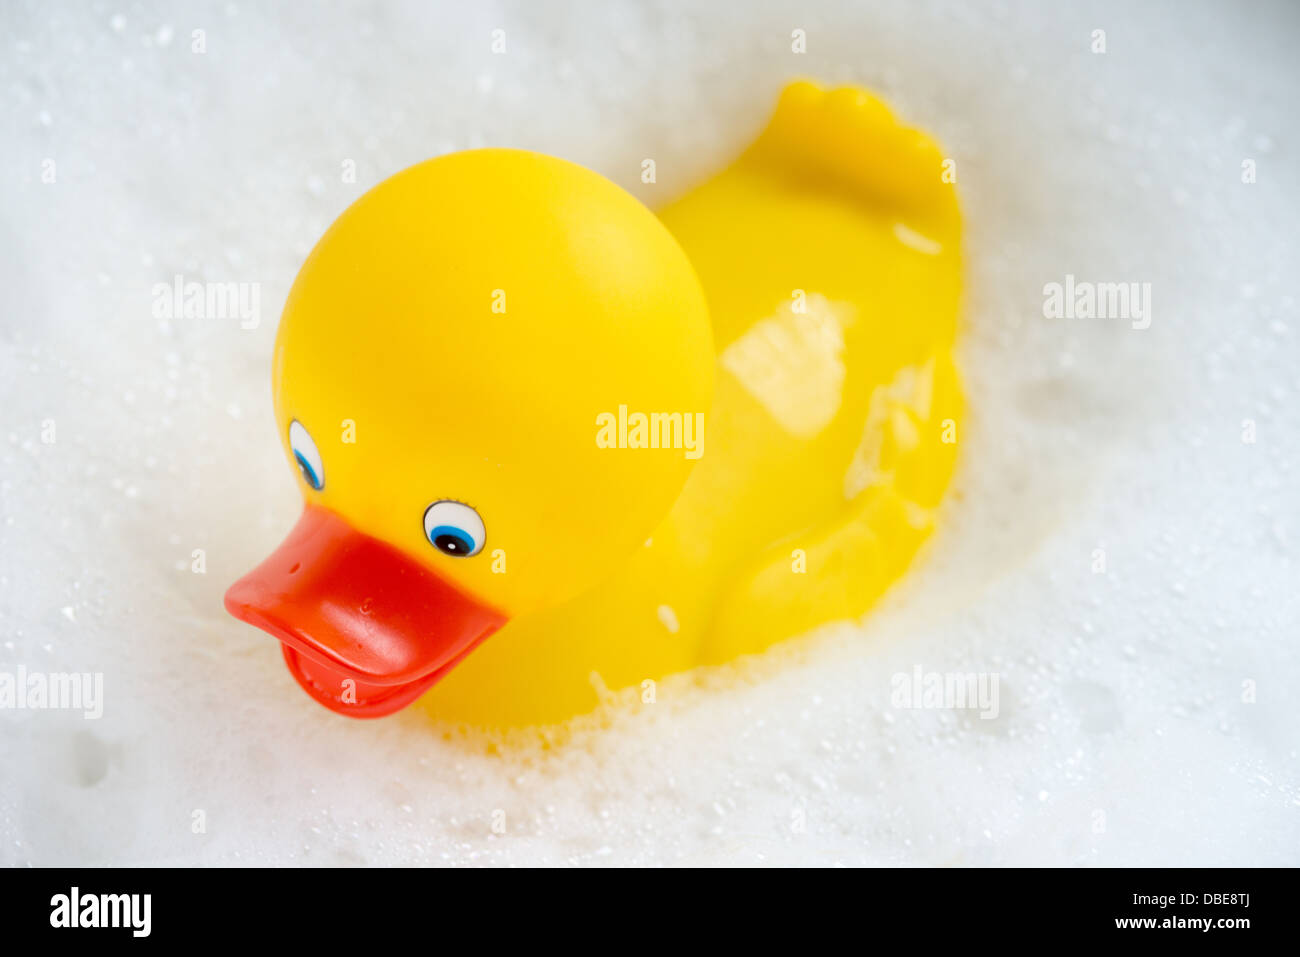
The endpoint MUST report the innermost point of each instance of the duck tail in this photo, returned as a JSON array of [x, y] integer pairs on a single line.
[[848, 135]]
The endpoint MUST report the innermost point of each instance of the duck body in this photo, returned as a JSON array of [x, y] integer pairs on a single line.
[[828, 261]]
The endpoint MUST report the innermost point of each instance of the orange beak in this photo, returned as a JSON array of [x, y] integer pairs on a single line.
[[366, 630]]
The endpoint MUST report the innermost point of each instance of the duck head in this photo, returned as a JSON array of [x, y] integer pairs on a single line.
[[443, 365]]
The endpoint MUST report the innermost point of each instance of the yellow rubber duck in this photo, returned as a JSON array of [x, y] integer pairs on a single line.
[[553, 445]]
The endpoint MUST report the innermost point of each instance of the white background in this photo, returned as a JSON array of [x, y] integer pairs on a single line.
[[1123, 737]]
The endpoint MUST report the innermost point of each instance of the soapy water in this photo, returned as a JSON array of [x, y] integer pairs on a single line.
[[1118, 551]]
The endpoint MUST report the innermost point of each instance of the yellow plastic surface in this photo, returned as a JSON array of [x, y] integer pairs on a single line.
[[467, 354], [829, 254], [456, 333]]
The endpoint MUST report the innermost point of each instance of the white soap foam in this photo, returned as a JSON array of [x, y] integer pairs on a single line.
[[1122, 738]]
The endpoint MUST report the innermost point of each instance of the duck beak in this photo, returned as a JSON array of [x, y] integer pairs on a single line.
[[366, 630]]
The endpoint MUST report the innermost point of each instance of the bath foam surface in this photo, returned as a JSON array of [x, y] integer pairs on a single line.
[[1118, 544]]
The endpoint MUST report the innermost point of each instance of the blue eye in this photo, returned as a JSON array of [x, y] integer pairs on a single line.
[[306, 455], [454, 529]]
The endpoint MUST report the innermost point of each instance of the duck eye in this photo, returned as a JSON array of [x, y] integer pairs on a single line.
[[454, 529], [307, 455]]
